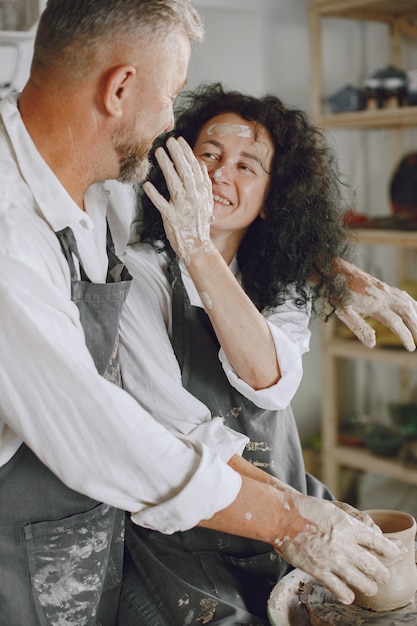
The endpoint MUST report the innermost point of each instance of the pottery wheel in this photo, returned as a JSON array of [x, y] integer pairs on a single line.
[[325, 609]]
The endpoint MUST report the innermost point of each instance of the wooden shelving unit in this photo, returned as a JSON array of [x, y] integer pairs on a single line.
[[400, 17]]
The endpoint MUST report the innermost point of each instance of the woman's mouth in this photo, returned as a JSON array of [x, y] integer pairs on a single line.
[[221, 200]]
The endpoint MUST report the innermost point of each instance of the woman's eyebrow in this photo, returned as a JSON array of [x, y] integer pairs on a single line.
[[218, 144]]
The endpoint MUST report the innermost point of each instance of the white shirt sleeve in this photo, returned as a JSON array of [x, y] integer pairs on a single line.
[[89, 432], [150, 369], [93, 435]]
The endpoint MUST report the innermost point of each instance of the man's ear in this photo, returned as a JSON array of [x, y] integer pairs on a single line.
[[118, 86]]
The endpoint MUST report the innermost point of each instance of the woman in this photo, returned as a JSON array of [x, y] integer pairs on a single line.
[[230, 303]]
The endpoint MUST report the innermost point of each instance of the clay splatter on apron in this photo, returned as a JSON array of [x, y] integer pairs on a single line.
[[208, 609], [206, 612], [67, 568], [67, 560], [226, 416], [258, 445]]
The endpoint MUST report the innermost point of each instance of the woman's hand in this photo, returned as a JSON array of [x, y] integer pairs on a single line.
[[369, 297], [188, 215]]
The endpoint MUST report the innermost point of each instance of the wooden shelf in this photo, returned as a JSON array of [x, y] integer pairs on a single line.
[[353, 349], [362, 459], [401, 19], [375, 10], [398, 117], [384, 237], [400, 16]]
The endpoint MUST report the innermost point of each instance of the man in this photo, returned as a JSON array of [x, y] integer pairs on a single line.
[[76, 450]]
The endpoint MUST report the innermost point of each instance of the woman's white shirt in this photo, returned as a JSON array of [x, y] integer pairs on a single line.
[[150, 369]]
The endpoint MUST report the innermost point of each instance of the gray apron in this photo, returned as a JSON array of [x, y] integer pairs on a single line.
[[61, 552], [204, 576]]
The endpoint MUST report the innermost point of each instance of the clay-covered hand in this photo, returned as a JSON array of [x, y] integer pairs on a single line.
[[369, 297], [188, 215], [335, 547], [356, 513]]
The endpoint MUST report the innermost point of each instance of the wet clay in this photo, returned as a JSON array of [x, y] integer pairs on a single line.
[[401, 587]]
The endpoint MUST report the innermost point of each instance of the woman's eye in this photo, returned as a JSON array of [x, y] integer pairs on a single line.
[[209, 156], [245, 168]]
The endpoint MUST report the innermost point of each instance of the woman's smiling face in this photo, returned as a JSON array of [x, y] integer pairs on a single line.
[[238, 155]]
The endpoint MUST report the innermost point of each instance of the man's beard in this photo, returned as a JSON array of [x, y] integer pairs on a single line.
[[134, 163]]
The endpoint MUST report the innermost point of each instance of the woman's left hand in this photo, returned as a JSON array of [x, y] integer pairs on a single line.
[[369, 297], [188, 215]]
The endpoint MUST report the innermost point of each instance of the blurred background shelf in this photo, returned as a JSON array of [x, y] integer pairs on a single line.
[[340, 356]]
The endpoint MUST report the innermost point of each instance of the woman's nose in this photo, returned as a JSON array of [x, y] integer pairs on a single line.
[[221, 174]]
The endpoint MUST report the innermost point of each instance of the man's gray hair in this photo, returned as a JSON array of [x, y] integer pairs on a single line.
[[79, 27]]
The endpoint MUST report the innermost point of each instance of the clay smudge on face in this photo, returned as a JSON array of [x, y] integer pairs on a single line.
[[217, 174], [241, 130], [248, 515]]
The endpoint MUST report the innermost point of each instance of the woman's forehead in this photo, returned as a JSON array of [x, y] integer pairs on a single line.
[[234, 125], [228, 128], [229, 124]]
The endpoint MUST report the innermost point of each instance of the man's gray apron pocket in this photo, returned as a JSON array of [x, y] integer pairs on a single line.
[[67, 559]]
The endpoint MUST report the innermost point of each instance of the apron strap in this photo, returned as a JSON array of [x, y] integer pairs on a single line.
[[180, 304], [116, 270], [69, 246]]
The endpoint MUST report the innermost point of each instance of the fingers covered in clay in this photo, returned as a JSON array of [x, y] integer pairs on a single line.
[[356, 513], [335, 546], [188, 215], [363, 331], [369, 297]]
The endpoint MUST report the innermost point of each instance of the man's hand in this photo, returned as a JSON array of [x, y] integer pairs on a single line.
[[188, 215], [334, 545], [369, 297]]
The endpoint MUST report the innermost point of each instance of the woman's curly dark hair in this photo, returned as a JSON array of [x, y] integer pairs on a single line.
[[303, 232]]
